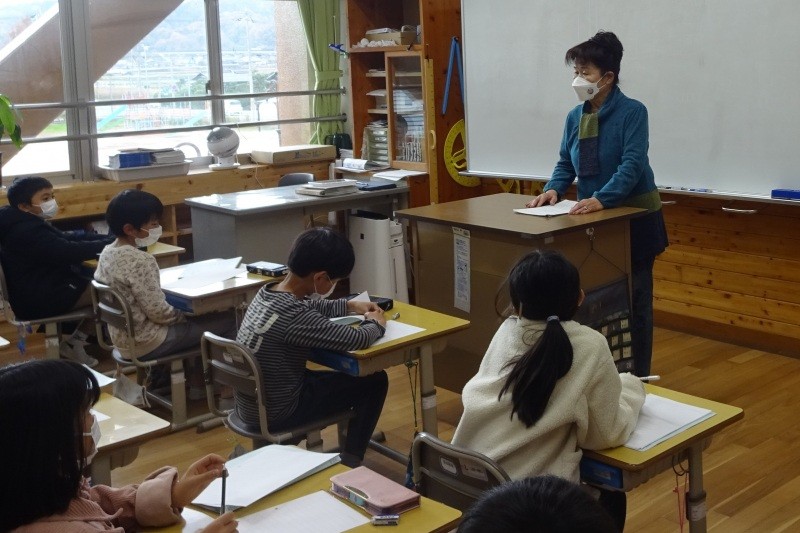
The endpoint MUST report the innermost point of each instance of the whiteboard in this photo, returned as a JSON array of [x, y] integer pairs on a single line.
[[718, 78]]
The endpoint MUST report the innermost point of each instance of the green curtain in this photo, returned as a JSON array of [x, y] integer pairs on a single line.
[[319, 17]]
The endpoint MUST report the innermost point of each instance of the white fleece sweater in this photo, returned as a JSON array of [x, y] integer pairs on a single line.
[[591, 407]]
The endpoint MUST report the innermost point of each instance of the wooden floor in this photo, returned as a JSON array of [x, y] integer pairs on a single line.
[[752, 469]]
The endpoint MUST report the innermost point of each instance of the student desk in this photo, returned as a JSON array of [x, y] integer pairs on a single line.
[[430, 516], [220, 296], [626, 468], [422, 345], [121, 434], [492, 239], [166, 255], [260, 225]]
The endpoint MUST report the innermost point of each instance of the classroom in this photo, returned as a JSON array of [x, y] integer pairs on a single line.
[[447, 116]]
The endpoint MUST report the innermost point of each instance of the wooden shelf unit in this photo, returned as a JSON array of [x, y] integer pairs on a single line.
[[370, 69]]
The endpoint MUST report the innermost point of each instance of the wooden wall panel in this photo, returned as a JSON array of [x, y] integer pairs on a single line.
[[767, 267], [730, 282], [731, 276]]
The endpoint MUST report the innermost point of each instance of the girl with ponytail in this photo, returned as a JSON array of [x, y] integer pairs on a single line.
[[547, 386]]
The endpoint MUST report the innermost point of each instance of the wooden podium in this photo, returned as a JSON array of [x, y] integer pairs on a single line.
[[490, 238]]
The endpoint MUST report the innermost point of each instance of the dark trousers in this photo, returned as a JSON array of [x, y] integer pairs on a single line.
[[325, 393], [642, 316]]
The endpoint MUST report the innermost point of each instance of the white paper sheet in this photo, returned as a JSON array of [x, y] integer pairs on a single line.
[[202, 273], [396, 330], [318, 512], [396, 175], [263, 471], [100, 416], [661, 418], [102, 379], [462, 292], [561, 208]]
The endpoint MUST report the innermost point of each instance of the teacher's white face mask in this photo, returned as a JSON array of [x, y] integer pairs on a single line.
[[585, 89]]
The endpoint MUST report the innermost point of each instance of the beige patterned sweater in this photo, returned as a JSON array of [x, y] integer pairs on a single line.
[[134, 274]]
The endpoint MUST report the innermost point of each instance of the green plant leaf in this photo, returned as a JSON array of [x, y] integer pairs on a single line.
[[8, 121]]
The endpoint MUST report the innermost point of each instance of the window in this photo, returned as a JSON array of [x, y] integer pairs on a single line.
[[149, 78]]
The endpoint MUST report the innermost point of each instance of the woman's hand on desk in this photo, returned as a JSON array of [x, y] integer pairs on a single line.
[[589, 205], [549, 197], [222, 524], [196, 479]]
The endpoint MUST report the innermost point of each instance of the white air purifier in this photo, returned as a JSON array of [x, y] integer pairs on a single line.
[[380, 265]]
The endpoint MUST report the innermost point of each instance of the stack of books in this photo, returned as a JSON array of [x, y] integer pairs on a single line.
[[167, 156], [328, 188], [143, 157]]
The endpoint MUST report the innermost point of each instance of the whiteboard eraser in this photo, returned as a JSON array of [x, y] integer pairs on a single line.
[[789, 194]]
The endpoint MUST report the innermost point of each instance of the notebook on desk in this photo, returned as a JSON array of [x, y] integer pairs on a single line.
[[261, 472]]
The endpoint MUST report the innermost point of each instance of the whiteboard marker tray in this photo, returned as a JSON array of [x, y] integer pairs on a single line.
[[147, 172]]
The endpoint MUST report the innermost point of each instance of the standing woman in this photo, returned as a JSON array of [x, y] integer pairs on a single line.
[[605, 145]]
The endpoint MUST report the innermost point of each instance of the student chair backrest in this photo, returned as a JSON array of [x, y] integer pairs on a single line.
[[295, 178], [230, 363], [7, 312], [111, 309], [450, 474]]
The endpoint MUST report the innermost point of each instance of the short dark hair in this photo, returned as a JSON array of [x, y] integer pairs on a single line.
[[544, 504], [543, 284], [604, 51], [134, 207], [42, 408], [322, 249], [22, 189]]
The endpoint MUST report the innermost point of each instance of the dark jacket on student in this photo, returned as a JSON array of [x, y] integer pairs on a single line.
[[41, 263]]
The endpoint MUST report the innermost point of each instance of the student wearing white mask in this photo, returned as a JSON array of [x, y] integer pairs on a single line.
[[42, 263], [50, 437], [159, 329], [605, 144], [287, 319]]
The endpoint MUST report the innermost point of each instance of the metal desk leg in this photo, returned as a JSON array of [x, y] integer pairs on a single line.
[[51, 340], [427, 390], [696, 499], [101, 470]]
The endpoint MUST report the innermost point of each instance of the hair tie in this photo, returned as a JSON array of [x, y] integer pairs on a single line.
[[553, 318]]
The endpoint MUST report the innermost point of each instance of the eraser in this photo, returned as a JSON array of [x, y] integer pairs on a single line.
[[789, 194]]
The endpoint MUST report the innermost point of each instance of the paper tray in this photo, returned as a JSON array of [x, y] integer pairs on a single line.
[[141, 173]]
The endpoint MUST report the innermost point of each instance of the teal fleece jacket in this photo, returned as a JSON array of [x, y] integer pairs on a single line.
[[625, 177]]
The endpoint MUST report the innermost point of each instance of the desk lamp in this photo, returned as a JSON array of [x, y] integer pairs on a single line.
[[222, 143]]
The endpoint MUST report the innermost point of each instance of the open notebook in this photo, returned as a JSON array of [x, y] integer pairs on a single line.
[[661, 418], [263, 471]]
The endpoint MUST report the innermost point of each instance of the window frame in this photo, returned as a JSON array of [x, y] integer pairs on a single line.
[[79, 103]]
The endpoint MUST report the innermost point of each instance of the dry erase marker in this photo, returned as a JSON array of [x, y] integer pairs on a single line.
[[650, 378], [386, 520], [224, 476]]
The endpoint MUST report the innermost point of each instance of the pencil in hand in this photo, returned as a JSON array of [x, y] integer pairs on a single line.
[[224, 477]]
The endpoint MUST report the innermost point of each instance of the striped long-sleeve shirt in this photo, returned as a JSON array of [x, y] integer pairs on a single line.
[[280, 330]]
